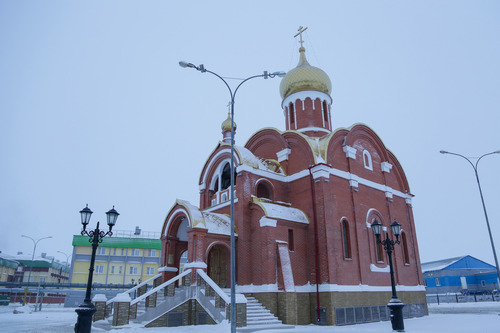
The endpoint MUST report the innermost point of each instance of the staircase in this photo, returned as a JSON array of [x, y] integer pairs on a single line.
[[260, 318]]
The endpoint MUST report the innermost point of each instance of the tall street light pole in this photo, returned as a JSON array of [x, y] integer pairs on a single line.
[[474, 166], [32, 258], [67, 261], [265, 75], [395, 305], [86, 310]]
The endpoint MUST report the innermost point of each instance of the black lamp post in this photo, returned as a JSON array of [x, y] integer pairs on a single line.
[[86, 310], [395, 305], [265, 75]]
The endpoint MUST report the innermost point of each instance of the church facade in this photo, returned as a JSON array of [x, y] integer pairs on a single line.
[[305, 199]]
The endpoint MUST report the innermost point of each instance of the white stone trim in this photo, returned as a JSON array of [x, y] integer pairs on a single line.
[[311, 288], [388, 194], [283, 154], [386, 167], [335, 172], [267, 222], [314, 129], [321, 171], [350, 152], [303, 95], [167, 269], [374, 268]]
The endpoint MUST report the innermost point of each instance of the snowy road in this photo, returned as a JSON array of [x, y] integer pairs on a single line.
[[456, 318]]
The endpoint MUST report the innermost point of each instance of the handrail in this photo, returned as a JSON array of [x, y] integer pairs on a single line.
[[161, 286], [214, 286], [135, 288]]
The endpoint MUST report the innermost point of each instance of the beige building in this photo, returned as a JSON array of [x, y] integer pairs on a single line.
[[8, 268], [124, 258]]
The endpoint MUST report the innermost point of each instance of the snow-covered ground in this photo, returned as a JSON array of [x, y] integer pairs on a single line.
[[481, 317]]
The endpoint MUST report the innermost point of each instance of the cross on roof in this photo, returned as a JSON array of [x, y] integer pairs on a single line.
[[301, 30]]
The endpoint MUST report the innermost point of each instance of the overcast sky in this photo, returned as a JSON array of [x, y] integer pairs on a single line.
[[95, 109]]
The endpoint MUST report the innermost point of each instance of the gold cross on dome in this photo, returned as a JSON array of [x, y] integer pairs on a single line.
[[301, 30]]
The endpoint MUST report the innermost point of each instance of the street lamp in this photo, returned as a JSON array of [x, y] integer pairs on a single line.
[[482, 200], [395, 305], [86, 310], [32, 258], [67, 257], [265, 75]]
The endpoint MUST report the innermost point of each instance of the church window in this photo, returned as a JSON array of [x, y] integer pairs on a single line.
[[380, 252], [216, 186], [225, 181], [404, 246], [346, 240], [264, 191], [292, 113], [325, 111], [367, 159], [290, 240]]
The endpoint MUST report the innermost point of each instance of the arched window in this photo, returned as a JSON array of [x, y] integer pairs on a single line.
[[380, 252], [325, 111], [367, 159], [346, 240], [264, 191], [225, 181], [404, 246], [292, 113]]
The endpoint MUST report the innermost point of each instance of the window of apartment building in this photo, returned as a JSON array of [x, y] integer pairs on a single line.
[[438, 282], [135, 252], [101, 250], [150, 270], [483, 283], [133, 270], [152, 253], [114, 251], [122, 251], [112, 269], [99, 269], [120, 269]]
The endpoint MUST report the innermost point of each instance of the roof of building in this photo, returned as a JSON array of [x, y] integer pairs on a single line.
[[305, 77], [8, 262], [447, 263], [133, 243]]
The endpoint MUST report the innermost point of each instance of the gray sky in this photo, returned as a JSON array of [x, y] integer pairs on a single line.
[[95, 109]]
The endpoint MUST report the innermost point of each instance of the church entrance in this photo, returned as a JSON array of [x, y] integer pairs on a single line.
[[218, 265]]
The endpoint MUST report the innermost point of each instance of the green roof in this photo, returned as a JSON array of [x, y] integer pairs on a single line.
[[8, 263], [132, 243]]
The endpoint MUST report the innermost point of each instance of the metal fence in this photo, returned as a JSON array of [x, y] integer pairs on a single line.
[[460, 298]]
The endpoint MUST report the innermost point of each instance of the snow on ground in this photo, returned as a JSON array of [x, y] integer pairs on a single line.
[[481, 317]]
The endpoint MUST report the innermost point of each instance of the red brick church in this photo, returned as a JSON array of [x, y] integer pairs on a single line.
[[305, 199]]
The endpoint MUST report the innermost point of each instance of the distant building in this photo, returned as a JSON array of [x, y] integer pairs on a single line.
[[8, 268], [464, 274], [42, 269], [126, 257]]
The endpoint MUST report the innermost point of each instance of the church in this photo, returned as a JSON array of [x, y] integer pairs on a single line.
[[305, 199]]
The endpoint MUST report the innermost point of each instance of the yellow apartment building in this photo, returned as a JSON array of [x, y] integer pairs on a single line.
[[124, 258]]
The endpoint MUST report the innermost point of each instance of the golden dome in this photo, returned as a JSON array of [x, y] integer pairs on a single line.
[[305, 77], [226, 124]]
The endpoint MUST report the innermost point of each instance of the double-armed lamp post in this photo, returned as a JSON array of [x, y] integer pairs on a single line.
[[395, 305], [474, 166], [86, 310], [265, 75]]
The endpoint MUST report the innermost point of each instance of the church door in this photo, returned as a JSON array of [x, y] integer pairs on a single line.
[[217, 265]]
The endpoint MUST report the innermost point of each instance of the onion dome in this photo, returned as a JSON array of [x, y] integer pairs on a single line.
[[226, 124], [305, 77]]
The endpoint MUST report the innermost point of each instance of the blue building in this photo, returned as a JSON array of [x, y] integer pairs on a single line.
[[464, 274]]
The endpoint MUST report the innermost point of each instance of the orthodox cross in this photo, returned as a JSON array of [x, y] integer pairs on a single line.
[[301, 30]]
